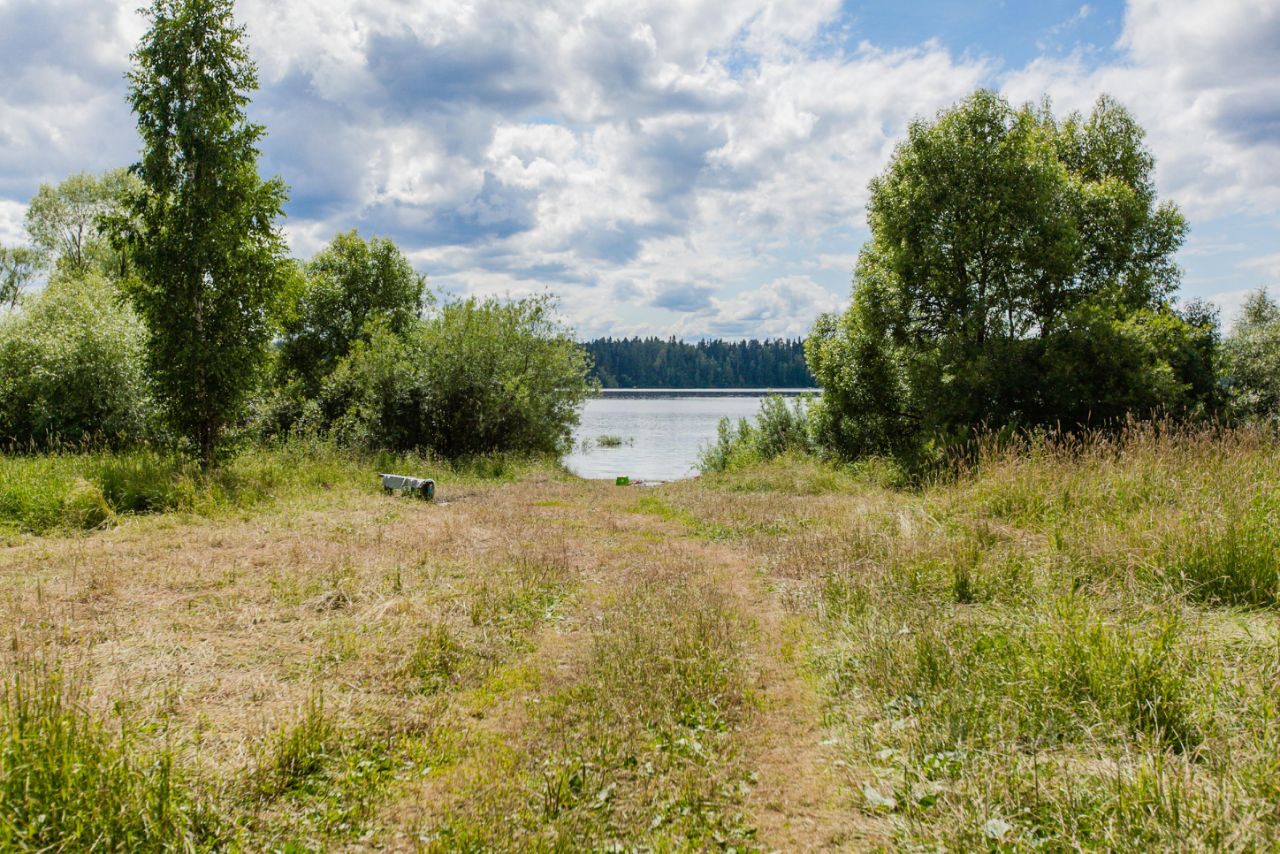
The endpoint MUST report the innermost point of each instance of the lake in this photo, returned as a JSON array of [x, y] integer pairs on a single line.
[[662, 430]]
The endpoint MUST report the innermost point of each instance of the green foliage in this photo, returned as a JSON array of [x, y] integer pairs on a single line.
[[18, 266], [210, 260], [67, 783], [349, 284], [1019, 273], [474, 378], [63, 491], [1251, 359], [71, 369], [297, 752], [67, 222], [655, 363], [778, 429]]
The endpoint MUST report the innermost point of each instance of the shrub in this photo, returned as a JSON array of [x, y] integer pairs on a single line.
[[71, 369], [778, 429], [477, 377]]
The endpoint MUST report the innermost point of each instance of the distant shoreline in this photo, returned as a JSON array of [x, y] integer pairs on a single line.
[[706, 392]]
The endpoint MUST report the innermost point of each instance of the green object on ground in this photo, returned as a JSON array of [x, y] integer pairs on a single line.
[[623, 480]]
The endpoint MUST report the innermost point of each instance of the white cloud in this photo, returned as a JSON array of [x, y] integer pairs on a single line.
[[1268, 264], [11, 228], [665, 165], [783, 308], [1202, 79]]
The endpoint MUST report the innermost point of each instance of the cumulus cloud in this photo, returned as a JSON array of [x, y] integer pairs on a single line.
[[12, 230], [783, 308], [1202, 79], [665, 166], [1268, 264]]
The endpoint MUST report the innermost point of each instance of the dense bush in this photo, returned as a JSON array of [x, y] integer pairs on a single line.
[[1251, 359], [348, 284], [476, 377], [71, 368], [1019, 273]]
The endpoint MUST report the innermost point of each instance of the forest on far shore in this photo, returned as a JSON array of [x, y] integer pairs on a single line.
[[668, 363]]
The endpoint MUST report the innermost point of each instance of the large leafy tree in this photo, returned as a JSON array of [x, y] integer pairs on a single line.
[[210, 259], [18, 266], [1251, 359], [66, 222], [1019, 271], [349, 284]]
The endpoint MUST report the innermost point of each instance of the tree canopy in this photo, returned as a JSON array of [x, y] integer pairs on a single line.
[[349, 284], [668, 363], [1019, 271], [18, 266], [1251, 359], [66, 222], [211, 263]]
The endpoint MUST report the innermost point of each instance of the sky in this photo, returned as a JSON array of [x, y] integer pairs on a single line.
[[667, 167]]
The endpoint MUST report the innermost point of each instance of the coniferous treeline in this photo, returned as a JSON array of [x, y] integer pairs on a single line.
[[658, 363]]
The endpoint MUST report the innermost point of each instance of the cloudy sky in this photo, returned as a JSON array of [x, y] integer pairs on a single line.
[[676, 167]]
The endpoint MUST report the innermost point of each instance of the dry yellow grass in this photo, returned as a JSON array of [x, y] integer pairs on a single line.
[[465, 633]]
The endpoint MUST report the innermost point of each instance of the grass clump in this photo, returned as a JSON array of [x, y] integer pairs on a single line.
[[438, 660], [1230, 558], [298, 752], [67, 783], [319, 781]]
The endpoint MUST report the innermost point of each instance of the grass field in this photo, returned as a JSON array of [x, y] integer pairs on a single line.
[[1060, 649]]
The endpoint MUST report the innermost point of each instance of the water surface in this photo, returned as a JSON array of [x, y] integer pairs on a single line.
[[662, 431]]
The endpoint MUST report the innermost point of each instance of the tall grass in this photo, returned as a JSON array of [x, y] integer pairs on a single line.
[[75, 490], [1068, 643], [68, 783]]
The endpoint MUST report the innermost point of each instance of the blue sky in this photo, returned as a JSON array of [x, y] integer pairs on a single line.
[[670, 167]]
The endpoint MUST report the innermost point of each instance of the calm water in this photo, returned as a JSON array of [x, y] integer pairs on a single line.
[[662, 432]]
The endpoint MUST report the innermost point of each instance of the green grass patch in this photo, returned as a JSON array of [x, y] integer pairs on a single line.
[[80, 491], [70, 782]]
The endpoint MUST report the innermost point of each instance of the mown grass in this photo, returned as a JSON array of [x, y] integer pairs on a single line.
[[638, 750]]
